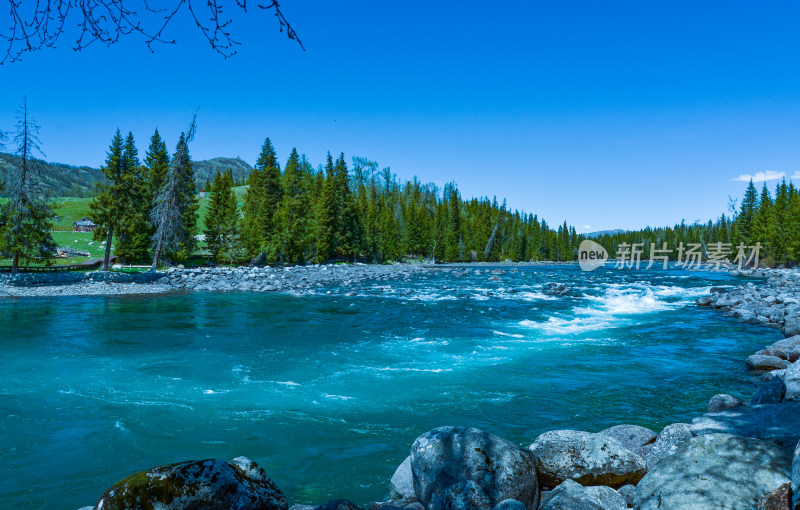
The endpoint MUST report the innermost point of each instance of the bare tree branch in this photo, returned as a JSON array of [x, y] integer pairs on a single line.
[[36, 24]]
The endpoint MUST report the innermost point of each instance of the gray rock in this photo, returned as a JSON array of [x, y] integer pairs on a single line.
[[775, 422], [608, 497], [792, 326], [723, 401], [628, 493], [761, 362], [709, 472], [771, 392], [666, 443], [632, 437], [211, 484], [339, 504], [302, 507], [791, 378], [447, 455], [589, 459], [786, 344], [509, 504], [464, 495], [401, 487], [796, 478], [571, 495]]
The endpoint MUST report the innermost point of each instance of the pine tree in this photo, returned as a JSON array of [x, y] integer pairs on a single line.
[[261, 201], [107, 205], [762, 220], [326, 215], [26, 218], [292, 215], [222, 219], [135, 229], [188, 198], [348, 231], [780, 223], [747, 212]]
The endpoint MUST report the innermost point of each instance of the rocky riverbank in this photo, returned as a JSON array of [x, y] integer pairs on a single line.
[[303, 279]]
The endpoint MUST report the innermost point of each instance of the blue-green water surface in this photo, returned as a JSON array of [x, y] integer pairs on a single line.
[[327, 392]]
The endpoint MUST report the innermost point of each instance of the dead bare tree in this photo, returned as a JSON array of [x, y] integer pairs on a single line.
[[167, 213], [37, 24]]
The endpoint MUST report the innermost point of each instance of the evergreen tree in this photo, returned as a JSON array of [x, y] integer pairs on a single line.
[[261, 201], [174, 213], [293, 214], [156, 162], [326, 215], [107, 205], [222, 219], [188, 198], [135, 231], [762, 220], [26, 218], [747, 212]]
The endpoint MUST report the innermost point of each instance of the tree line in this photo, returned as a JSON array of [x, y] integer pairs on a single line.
[[769, 220], [298, 214]]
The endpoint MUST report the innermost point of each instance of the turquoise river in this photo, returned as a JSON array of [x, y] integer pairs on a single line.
[[327, 392]]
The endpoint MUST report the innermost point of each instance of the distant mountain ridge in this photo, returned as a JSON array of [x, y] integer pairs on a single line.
[[601, 233], [62, 180]]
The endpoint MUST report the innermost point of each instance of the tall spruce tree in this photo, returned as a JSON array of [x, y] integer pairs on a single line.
[[188, 198], [261, 201], [135, 231], [326, 215], [762, 220], [108, 203], [747, 213], [293, 214], [222, 219], [26, 218]]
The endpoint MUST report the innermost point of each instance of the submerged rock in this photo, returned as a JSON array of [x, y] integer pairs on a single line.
[[775, 422], [339, 504], [771, 392], [632, 437], [589, 459], [714, 471], [446, 456], [723, 401], [212, 484]]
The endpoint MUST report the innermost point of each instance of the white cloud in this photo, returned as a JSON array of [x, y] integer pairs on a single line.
[[796, 176], [767, 175], [586, 227]]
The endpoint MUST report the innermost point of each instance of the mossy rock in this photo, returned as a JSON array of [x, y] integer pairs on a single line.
[[211, 484]]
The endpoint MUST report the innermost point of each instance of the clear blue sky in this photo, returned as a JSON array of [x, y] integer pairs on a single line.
[[604, 114]]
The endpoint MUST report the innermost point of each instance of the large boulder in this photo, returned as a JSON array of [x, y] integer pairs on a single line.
[[632, 437], [667, 442], [571, 495], [212, 484], [722, 402], [775, 422], [715, 471], [446, 456], [771, 392], [761, 362], [589, 459]]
